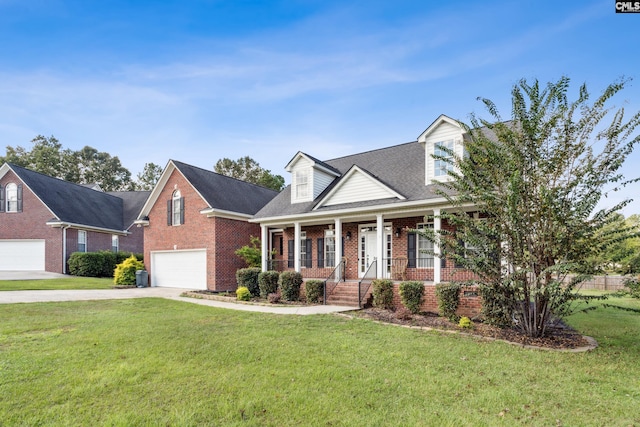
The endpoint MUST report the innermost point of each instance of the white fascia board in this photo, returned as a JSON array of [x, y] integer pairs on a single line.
[[387, 209], [60, 224], [437, 122], [212, 212], [299, 154]]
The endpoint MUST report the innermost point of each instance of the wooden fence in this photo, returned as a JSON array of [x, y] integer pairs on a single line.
[[602, 283]]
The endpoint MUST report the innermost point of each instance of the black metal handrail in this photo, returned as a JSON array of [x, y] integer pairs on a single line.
[[336, 276], [369, 276]]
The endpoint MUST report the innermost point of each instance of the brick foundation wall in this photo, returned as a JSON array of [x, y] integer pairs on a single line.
[[469, 306]]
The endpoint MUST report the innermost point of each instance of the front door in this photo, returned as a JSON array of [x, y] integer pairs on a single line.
[[368, 247]]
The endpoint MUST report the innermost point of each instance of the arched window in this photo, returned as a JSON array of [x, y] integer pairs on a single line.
[[12, 197], [176, 208]]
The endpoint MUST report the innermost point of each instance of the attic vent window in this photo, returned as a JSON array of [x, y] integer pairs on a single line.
[[442, 166], [302, 184]]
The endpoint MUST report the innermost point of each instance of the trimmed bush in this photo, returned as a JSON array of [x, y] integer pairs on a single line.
[[243, 294], [290, 282], [411, 295], [383, 294], [97, 264], [125, 274], [465, 322], [448, 295], [248, 277], [314, 290], [268, 283]]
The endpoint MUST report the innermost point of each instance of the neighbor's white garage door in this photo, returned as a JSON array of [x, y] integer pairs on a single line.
[[179, 269], [20, 255]]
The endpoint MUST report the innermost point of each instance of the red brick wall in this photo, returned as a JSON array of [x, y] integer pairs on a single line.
[[469, 306], [134, 242], [31, 224], [221, 237]]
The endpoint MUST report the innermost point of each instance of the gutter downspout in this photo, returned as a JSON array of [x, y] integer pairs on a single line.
[[64, 249]]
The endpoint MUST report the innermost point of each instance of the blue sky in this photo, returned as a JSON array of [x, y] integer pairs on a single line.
[[197, 81]]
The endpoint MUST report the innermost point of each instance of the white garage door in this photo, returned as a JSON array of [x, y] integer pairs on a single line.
[[179, 269], [20, 255]]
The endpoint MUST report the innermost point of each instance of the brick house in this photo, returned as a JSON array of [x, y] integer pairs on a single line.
[[194, 222], [44, 219], [350, 218]]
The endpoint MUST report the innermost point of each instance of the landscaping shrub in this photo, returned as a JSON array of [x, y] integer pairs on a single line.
[[383, 294], [448, 295], [290, 282], [314, 290], [496, 303], [268, 283], [243, 293], [465, 322], [411, 295], [633, 286], [97, 264], [125, 273], [273, 298], [248, 277]]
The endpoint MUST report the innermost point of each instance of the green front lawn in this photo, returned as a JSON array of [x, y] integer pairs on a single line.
[[162, 362], [71, 282]]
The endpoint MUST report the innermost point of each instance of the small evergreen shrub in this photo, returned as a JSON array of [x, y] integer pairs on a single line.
[[268, 283], [125, 274], [314, 290], [243, 294], [248, 277], [273, 298], [465, 322], [411, 295], [448, 295], [97, 264], [290, 282], [383, 294]]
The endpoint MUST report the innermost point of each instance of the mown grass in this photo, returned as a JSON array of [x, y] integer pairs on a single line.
[[161, 362], [71, 282]]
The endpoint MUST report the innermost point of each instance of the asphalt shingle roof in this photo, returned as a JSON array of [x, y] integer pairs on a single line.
[[226, 193]]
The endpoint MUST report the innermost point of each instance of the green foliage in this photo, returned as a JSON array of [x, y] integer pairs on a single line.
[[268, 283], [125, 273], [633, 286], [411, 294], [448, 295], [243, 294], [465, 322], [314, 290], [249, 278], [290, 282], [97, 264], [251, 253], [247, 169], [536, 181], [383, 294], [149, 176]]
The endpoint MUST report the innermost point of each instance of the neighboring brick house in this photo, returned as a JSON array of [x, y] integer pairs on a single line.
[[360, 209], [194, 222], [44, 219]]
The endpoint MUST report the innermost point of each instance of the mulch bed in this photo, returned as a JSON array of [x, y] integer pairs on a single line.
[[561, 337]]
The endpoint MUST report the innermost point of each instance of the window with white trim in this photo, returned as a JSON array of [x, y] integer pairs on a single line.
[[82, 241], [302, 184], [329, 248], [424, 259], [12, 197], [440, 166], [303, 249], [176, 207], [115, 243]]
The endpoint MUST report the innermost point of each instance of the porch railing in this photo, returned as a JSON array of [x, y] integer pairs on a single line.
[[336, 276], [365, 283]]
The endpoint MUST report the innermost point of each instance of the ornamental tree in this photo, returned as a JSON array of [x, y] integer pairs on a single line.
[[536, 181]]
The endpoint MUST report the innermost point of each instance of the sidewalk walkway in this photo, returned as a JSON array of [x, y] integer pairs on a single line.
[[14, 297]]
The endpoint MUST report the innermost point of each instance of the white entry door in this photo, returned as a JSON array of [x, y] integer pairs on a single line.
[[368, 248]]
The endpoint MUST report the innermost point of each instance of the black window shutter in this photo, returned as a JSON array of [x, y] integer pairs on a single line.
[[181, 210], [309, 246], [281, 245], [290, 254], [443, 262], [411, 250], [320, 252], [1, 198], [169, 216], [457, 264], [342, 249], [19, 197]]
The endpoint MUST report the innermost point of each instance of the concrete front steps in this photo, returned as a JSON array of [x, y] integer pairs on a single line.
[[346, 294]]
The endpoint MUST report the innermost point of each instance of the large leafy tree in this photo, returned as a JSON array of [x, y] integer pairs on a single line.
[[247, 169], [149, 176], [536, 181]]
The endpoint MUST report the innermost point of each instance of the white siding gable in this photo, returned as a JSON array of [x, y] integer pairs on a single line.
[[321, 181], [358, 186], [443, 131]]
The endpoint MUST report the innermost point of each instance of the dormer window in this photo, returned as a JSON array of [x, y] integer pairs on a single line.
[[441, 166], [302, 184]]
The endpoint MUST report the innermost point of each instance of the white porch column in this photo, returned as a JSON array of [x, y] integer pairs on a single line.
[[437, 225], [381, 245], [338, 237], [296, 246], [264, 233]]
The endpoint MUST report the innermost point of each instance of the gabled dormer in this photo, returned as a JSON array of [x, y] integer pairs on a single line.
[[309, 177], [443, 132]]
